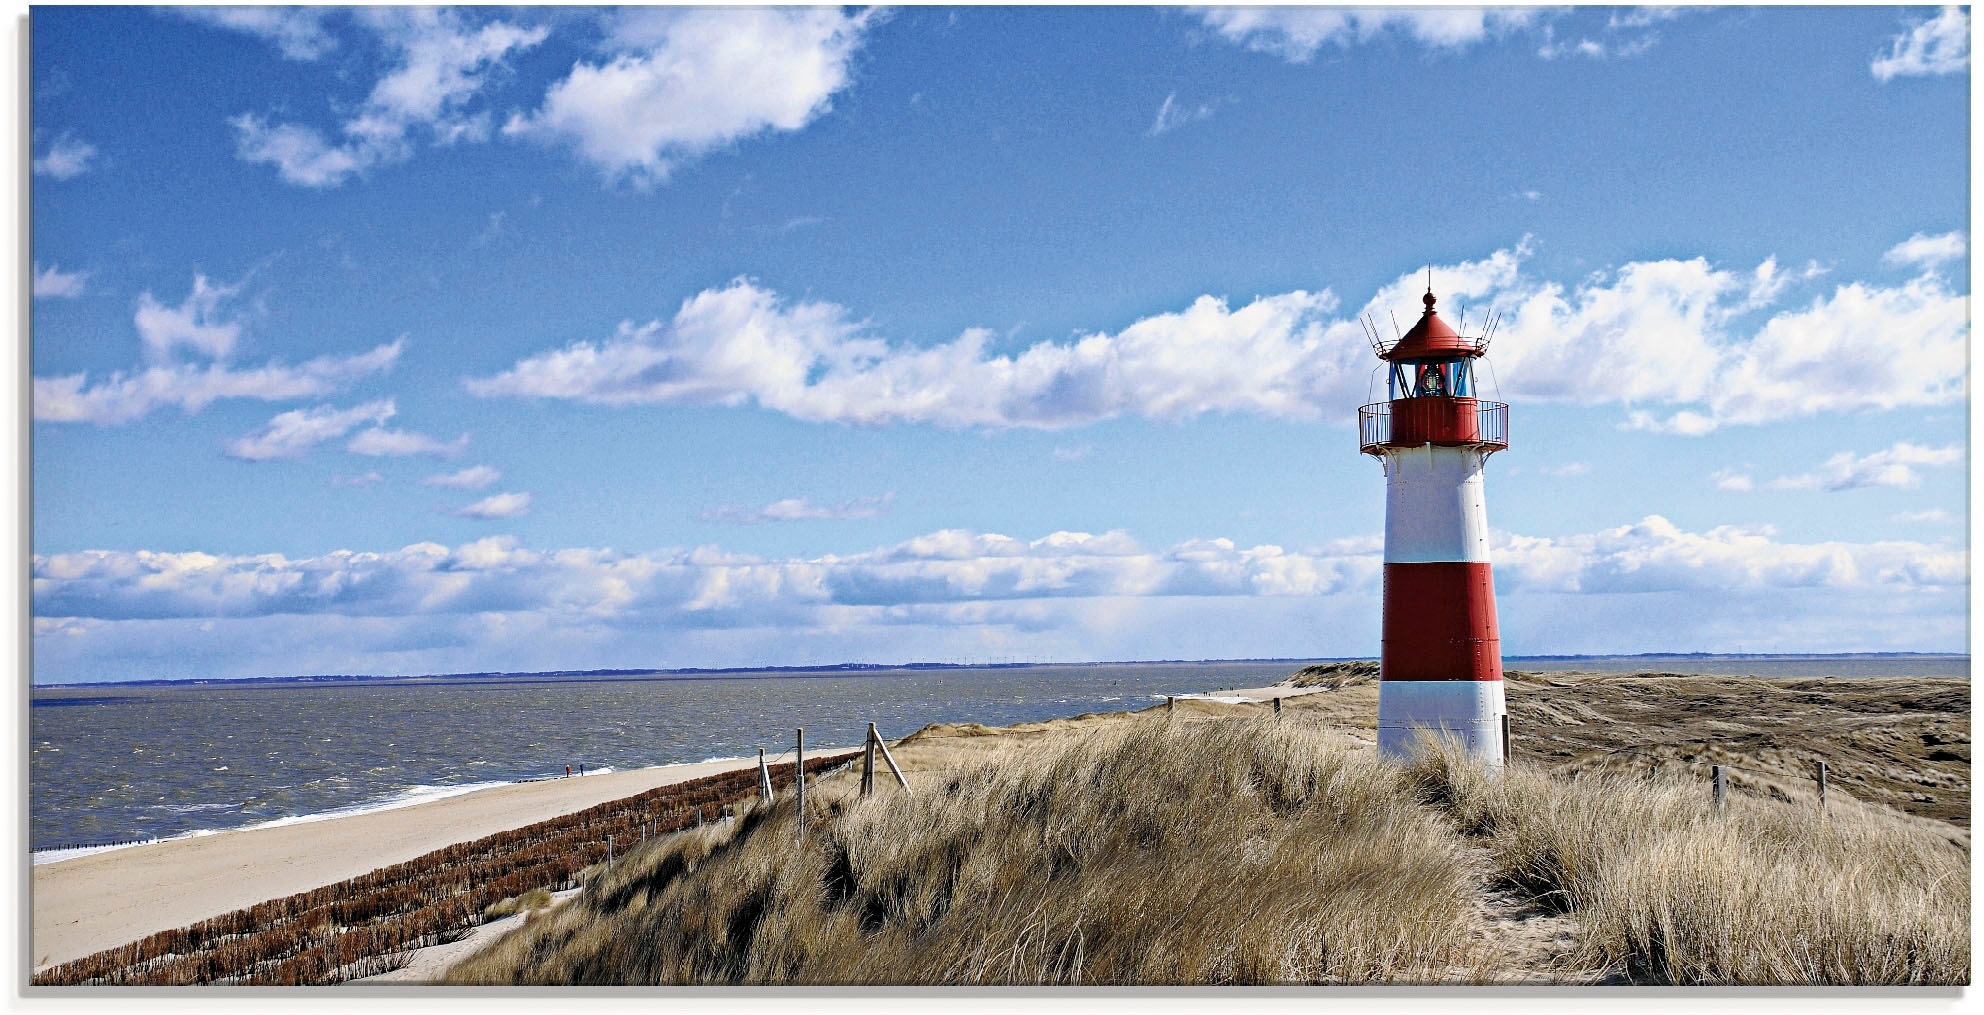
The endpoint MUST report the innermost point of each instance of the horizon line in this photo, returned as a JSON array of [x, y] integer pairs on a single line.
[[718, 672]]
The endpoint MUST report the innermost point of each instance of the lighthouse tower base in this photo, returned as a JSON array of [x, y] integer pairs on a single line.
[[1469, 712]]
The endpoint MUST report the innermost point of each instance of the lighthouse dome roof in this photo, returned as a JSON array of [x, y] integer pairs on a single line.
[[1431, 338]]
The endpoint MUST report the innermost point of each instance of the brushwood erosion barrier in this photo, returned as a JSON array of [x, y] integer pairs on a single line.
[[372, 923]]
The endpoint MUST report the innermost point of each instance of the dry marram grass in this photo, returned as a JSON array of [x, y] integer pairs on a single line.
[[1226, 851], [1668, 890]]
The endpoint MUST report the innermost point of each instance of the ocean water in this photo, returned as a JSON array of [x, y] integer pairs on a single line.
[[113, 762]]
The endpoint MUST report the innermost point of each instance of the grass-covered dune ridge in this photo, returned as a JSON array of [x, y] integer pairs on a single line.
[[1234, 848], [1244, 852]]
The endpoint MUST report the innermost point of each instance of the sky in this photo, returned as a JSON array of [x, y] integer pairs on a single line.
[[435, 340]]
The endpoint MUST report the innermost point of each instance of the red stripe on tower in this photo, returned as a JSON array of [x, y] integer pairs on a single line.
[[1440, 622]]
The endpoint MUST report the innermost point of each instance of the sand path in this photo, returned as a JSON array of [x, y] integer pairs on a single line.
[[89, 903]]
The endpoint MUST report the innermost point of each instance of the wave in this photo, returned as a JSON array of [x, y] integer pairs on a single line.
[[408, 797]]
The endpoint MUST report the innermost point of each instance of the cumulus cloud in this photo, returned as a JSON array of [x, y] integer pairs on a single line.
[[360, 482], [710, 587], [1925, 251], [54, 283], [682, 82], [291, 434], [1567, 469], [196, 323], [298, 32], [381, 442], [1929, 48], [799, 509], [502, 505], [1893, 467], [440, 63], [1654, 555], [121, 397], [67, 157], [1676, 333], [1296, 33], [475, 477], [812, 361]]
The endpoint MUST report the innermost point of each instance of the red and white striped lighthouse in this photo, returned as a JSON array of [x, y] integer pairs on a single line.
[[1441, 666]]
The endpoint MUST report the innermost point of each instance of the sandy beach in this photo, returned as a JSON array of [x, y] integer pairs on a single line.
[[102, 900]]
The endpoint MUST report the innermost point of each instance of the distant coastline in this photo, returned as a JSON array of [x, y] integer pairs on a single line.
[[840, 669]]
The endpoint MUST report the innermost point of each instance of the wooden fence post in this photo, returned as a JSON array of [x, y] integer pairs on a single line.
[[868, 763], [1277, 707], [1170, 704], [1720, 774], [1822, 785], [764, 779], [1505, 738], [799, 784], [889, 758], [609, 852]]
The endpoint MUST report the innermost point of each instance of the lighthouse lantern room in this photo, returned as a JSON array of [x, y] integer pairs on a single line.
[[1440, 670]]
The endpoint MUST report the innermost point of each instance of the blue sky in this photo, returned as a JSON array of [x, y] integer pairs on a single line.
[[392, 341]]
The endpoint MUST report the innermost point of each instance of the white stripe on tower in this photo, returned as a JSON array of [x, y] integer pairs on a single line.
[[1436, 508]]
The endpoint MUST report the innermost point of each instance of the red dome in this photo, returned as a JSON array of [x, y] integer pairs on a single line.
[[1431, 338]]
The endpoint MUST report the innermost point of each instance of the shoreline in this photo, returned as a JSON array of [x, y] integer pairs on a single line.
[[103, 898]]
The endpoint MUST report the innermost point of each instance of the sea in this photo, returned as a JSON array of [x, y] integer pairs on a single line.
[[112, 763]]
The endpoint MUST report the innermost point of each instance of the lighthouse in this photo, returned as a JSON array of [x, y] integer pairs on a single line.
[[1441, 665]]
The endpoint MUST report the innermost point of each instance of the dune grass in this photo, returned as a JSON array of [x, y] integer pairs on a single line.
[[1230, 851], [1770, 892], [1239, 849]]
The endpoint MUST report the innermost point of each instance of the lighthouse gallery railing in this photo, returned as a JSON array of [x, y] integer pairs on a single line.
[[1410, 422]]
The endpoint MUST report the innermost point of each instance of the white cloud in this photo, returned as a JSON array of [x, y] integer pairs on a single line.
[[496, 604], [1928, 48], [685, 81], [1654, 555], [708, 586], [195, 323], [298, 31], [291, 434], [742, 344], [358, 482], [1925, 251], [121, 398], [1296, 33], [1893, 467], [1566, 469], [1932, 516], [475, 477], [1675, 333], [53, 282], [502, 505], [1732, 481], [440, 64], [1171, 116], [799, 509], [67, 157], [1074, 454], [379, 441]]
